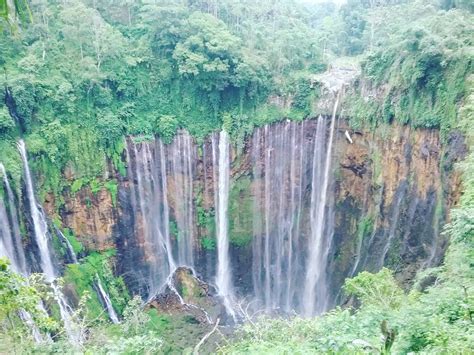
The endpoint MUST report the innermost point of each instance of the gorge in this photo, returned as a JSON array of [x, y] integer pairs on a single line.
[[236, 177], [300, 214]]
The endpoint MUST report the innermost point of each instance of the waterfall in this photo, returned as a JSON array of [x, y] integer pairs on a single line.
[[315, 291], [41, 235], [221, 193], [293, 215], [182, 156], [10, 230], [16, 256], [12, 248], [291, 188], [278, 202], [7, 243], [166, 218], [107, 302], [70, 251], [40, 225], [162, 194], [390, 233], [150, 191]]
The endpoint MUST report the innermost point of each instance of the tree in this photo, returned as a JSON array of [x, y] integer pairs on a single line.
[[11, 11], [208, 52], [6, 122], [379, 289], [86, 28]]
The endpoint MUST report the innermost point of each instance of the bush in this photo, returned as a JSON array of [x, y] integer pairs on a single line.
[[6, 122]]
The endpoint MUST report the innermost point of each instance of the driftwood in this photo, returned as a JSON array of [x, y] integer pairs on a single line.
[[205, 337]]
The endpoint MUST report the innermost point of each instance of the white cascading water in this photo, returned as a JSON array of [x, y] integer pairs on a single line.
[[7, 244], [181, 154], [11, 231], [12, 248], [314, 299], [150, 195], [108, 303], [291, 196], [102, 293], [39, 221], [70, 250], [166, 210], [280, 156], [221, 192], [41, 235], [153, 163]]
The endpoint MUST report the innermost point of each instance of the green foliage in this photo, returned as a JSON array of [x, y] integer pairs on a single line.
[[207, 52], [167, 126], [17, 294], [147, 343], [96, 186], [110, 128], [208, 243], [134, 318], [304, 97], [6, 122], [172, 66], [112, 188], [379, 289], [76, 186], [83, 276], [76, 245], [419, 73], [85, 74]]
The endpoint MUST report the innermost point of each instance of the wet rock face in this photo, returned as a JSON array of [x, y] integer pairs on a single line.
[[92, 218], [391, 203]]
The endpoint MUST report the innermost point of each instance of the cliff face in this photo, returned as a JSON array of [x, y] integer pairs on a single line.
[[391, 202], [385, 205]]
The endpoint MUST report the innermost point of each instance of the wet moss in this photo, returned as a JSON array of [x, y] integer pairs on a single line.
[[240, 212]]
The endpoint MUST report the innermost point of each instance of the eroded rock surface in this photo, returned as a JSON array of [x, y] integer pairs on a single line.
[[185, 294]]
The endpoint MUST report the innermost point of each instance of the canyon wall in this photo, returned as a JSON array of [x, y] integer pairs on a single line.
[[387, 198]]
